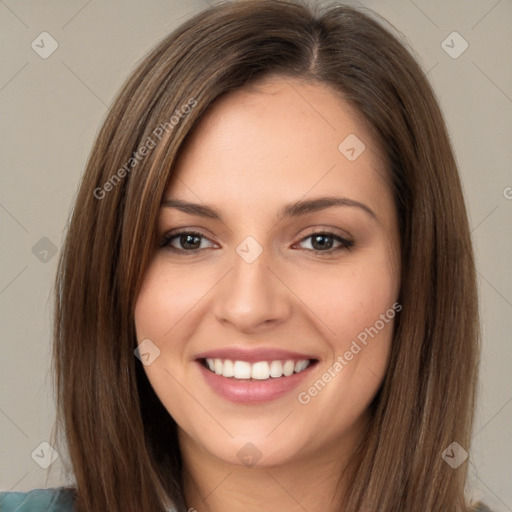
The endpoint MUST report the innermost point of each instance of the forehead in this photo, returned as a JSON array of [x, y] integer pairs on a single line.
[[282, 139]]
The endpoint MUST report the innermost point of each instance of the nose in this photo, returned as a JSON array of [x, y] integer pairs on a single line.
[[252, 297]]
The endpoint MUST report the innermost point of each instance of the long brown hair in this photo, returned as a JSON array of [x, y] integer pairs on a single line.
[[122, 442]]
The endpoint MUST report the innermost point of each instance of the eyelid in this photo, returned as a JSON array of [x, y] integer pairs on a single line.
[[328, 230], [168, 235], [347, 243]]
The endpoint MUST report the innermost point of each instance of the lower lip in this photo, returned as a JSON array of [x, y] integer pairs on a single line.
[[251, 391]]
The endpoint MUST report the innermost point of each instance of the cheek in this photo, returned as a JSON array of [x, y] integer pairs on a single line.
[[160, 314], [166, 312], [360, 315], [349, 298], [164, 301], [356, 303], [153, 309]]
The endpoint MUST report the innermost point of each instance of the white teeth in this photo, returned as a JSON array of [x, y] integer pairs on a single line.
[[301, 365], [288, 368], [242, 370], [261, 370], [276, 369], [228, 369]]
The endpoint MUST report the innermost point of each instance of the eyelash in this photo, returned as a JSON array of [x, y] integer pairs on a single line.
[[344, 244]]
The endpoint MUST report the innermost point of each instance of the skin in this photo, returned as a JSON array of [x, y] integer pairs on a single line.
[[256, 150]]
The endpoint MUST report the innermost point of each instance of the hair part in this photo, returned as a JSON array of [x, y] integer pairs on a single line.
[[122, 442]]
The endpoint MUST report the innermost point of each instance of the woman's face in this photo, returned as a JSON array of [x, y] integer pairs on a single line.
[[272, 280]]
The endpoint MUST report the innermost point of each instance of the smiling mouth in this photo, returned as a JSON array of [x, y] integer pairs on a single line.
[[257, 371]]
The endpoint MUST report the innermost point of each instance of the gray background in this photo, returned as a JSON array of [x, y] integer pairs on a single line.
[[52, 108]]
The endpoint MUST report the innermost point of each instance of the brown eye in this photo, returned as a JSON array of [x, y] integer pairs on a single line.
[[323, 242], [184, 241]]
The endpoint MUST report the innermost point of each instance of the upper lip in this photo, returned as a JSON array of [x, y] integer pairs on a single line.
[[253, 355]]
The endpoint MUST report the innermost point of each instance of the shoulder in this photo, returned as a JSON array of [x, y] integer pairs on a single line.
[[58, 499]]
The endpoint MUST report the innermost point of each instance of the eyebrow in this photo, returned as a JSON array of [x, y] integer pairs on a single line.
[[294, 209]]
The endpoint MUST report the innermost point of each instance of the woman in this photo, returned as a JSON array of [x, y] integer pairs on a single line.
[[267, 297]]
